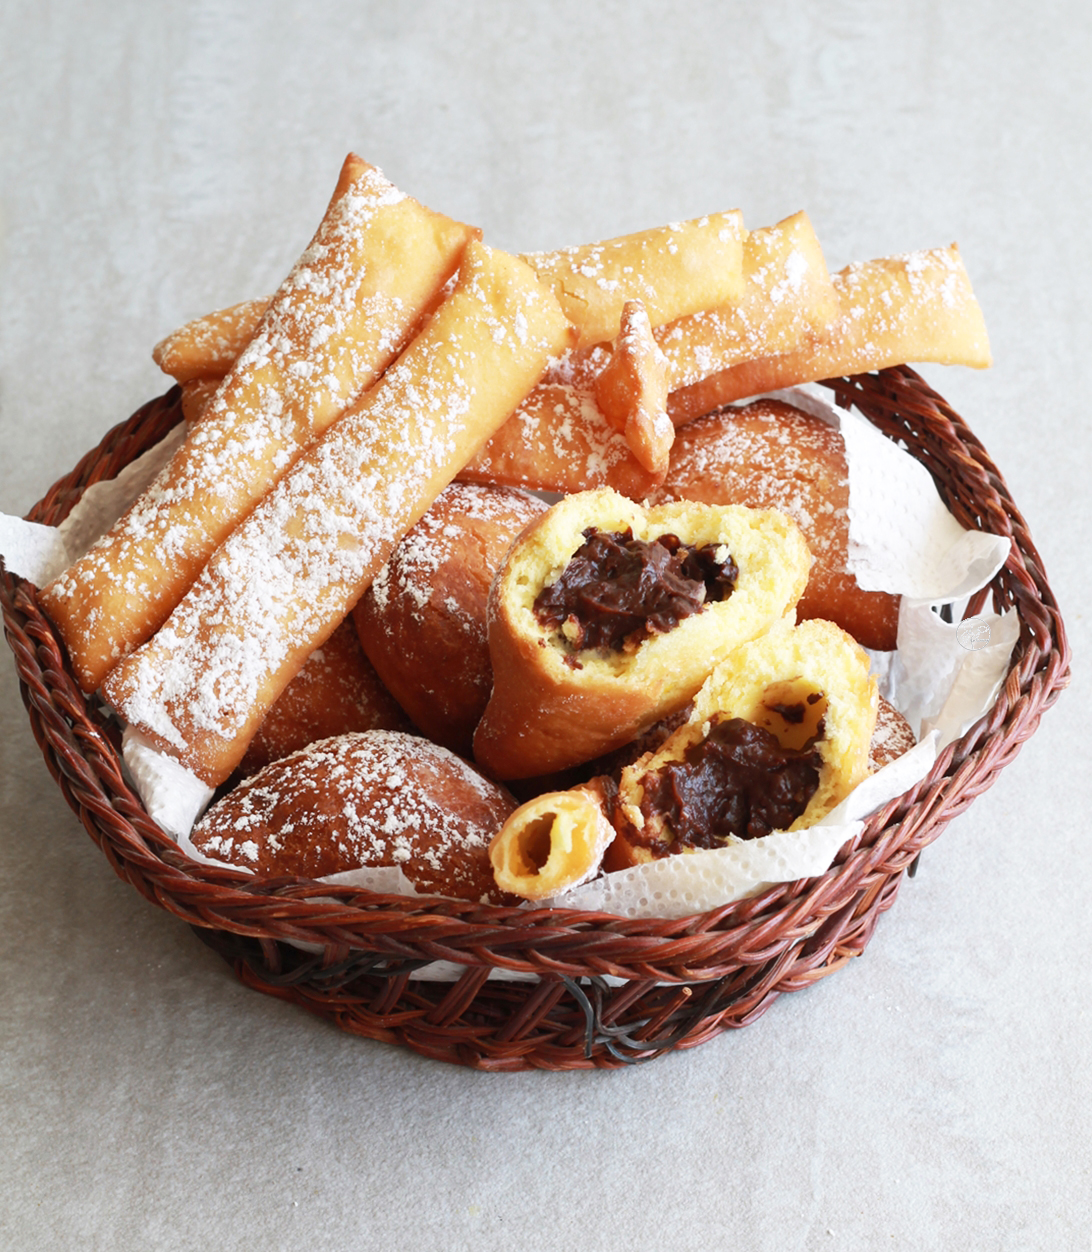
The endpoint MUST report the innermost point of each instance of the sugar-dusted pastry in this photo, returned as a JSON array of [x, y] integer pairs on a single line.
[[915, 307], [279, 585], [892, 737], [673, 270], [422, 622], [367, 800], [787, 297], [632, 388], [558, 440], [607, 617], [338, 320], [551, 843], [779, 735], [197, 397], [770, 455], [336, 692], [208, 346]]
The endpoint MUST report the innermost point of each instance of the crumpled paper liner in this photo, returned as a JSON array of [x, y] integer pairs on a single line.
[[39, 553], [902, 540]]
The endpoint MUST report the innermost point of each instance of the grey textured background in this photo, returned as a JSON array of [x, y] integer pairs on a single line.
[[157, 161]]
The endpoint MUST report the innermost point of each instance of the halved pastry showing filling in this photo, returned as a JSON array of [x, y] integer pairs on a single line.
[[779, 736], [607, 617]]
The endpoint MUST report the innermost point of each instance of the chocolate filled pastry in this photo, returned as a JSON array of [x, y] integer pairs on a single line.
[[380, 798], [779, 735], [335, 693], [771, 455], [422, 622], [607, 617]]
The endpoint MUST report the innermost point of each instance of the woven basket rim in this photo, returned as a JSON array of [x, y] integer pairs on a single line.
[[82, 753]]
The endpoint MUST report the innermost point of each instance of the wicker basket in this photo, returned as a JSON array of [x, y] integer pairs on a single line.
[[682, 981]]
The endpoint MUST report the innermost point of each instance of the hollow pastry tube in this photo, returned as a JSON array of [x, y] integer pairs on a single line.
[[291, 571], [551, 843], [338, 320]]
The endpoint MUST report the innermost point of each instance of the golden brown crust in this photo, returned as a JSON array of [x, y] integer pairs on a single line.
[[551, 843], [815, 664], [674, 270], [551, 707], [891, 311], [289, 573], [360, 801], [632, 390], [770, 455], [559, 441], [336, 692], [338, 320], [207, 347], [422, 622]]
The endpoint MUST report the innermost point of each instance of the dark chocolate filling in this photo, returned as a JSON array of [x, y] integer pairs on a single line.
[[616, 591], [738, 781]]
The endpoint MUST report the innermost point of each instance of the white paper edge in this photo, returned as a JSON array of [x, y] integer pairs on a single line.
[[39, 553]]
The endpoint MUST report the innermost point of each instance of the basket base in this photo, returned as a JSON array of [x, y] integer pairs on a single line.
[[556, 1023]]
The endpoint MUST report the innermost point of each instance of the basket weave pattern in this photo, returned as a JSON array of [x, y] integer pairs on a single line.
[[684, 980]]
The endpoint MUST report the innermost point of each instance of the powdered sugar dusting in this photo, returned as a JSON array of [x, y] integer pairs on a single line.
[[558, 440], [380, 798], [330, 330], [288, 574]]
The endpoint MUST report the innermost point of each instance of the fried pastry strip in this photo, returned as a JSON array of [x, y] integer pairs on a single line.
[[673, 270], [895, 310], [207, 346], [337, 321], [283, 580], [787, 295], [632, 390], [558, 440], [764, 302]]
